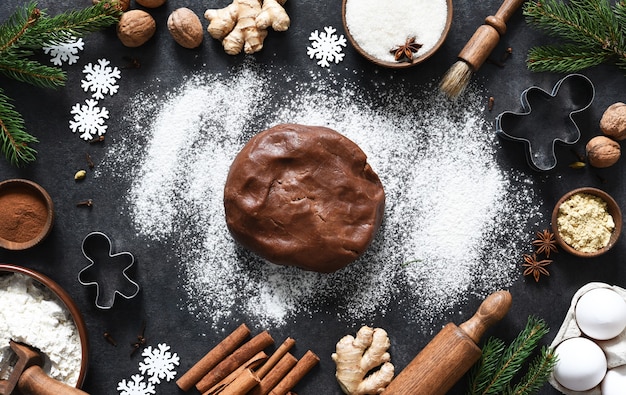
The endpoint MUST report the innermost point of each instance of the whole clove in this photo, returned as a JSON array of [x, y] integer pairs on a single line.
[[141, 340], [109, 339]]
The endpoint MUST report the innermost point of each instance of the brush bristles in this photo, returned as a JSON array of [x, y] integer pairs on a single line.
[[456, 79]]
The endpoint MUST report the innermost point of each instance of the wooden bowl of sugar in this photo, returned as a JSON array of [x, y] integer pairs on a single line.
[[379, 29], [26, 214]]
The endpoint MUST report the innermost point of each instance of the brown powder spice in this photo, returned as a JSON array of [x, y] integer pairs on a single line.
[[23, 215]]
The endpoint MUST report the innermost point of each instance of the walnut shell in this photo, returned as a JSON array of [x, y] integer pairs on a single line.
[[613, 122], [185, 26], [135, 28], [151, 3], [602, 151], [124, 5]]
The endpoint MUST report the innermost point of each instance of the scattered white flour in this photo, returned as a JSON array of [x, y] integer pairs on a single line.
[[379, 26], [453, 219], [33, 315]]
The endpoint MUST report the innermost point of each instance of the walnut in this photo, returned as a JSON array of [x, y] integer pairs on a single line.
[[124, 5], [602, 151], [185, 26], [151, 3], [135, 28], [613, 122]]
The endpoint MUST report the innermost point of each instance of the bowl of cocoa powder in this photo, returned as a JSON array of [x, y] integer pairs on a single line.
[[586, 222], [26, 214]]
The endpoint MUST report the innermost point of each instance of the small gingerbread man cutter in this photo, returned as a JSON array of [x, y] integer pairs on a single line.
[[107, 271], [547, 119]]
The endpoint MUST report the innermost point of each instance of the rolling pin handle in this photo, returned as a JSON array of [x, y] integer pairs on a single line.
[[491, 310], [35, 381]]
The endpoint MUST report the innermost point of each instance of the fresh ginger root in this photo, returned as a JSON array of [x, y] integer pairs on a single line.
[[355, 357], [243, 24]]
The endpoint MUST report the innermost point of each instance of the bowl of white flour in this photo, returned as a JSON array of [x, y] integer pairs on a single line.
[[36, 311]]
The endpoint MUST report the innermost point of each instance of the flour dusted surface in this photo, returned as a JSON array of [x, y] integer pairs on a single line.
[[31, 314], [453, 219]]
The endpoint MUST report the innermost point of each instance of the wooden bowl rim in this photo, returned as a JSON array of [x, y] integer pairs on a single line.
[[399, 65], [612, 208], [43, 194], [69, 303]]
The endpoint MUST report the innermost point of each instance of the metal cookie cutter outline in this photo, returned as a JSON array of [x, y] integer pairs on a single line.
[[96, 283], [527, 109]]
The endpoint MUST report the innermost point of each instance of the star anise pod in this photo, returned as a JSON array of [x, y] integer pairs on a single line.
[[545, 243], [406, 51], [535, 267]]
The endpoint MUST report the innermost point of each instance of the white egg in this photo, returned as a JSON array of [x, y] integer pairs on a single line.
[[614, 382], [601, 313], [581, 364]]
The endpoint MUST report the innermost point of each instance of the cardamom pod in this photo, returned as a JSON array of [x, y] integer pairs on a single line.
[[80, 174]]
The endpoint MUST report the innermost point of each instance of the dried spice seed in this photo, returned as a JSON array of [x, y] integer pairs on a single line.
[[545, 243], [85, 203], [80, 175], [405, 52], [109, 339], [490, 103], [535, 267]]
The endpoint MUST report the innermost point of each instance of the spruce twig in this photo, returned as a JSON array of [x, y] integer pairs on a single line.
[[499, 365], [594, 32], [30, 29]]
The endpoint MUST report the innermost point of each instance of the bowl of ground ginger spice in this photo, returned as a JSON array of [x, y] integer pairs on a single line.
[[586, 222], [26, 214]]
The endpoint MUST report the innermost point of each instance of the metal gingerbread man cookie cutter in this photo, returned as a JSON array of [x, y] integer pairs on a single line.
[[547, 119], [107, 270]]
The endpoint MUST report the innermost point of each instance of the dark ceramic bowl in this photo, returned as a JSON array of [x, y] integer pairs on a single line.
[[26, 187], [70, 305], [612, 208], [398, 65]]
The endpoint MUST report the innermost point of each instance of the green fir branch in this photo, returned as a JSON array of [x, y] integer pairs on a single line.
[[498, 366], [484, 369], [27, 30], [13, 138], [594, 32], [538, 373], [32, 72]]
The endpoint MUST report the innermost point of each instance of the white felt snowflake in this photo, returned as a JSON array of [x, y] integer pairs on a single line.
[[135, 386], [65, 52], [89, 119], [326, 47], [158, 363], [101, 79]]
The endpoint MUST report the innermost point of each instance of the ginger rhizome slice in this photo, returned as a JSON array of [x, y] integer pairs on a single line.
[[356, 357], [243, 24]]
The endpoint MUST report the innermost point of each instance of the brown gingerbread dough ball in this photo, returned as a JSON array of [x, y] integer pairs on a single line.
[[303, 196], [613, 122]]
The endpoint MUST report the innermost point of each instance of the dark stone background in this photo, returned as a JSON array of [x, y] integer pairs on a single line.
[[46, 114]]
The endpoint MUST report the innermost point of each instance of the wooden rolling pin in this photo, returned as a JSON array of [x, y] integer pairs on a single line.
[[451, 353], [30, 379]]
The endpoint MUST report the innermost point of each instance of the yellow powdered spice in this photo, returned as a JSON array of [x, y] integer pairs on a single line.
[[584, 222]]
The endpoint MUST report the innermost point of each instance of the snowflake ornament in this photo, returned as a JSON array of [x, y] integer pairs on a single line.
[[89, 119], [64, 52], [326, 46], [101, 79], [135, 386], [159, 363]]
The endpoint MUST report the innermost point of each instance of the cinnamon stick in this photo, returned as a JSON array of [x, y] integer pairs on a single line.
[[304, 365], [273, 377], [276, 356], [235, 360], [212, 358], [252, 363], [242, 384]]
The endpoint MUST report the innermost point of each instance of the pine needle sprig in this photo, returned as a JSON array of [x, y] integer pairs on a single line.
[[498, 367], [30, 29], [480, 375], [593, 30], [13, 138], [538, 373]]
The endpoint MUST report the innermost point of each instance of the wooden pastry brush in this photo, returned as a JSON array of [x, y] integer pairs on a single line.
[[477, 49]]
